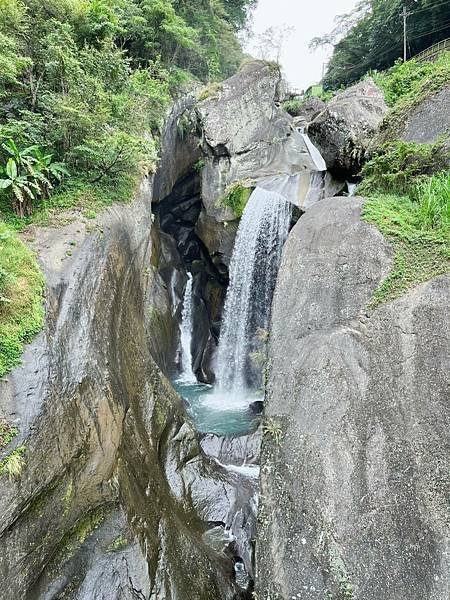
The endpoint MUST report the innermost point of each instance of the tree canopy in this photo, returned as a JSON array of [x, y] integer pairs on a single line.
[[371, 37], [88, 81]]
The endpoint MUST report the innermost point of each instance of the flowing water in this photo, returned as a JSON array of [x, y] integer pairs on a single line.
[[254, 266], [217, 412], [314, 153], [186, 327]]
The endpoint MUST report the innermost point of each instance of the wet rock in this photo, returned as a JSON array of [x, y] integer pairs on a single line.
[[345, 129], [353, 477], [179, 148], [257, 407], [235, 450], [105, 434]]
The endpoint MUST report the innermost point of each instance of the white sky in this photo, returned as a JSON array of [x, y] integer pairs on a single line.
[[309, 18]]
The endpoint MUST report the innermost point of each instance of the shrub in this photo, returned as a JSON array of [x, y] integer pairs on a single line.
[[293, 106], [29, 174]]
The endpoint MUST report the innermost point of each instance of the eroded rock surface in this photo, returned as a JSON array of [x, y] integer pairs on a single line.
[[344, 130], [354, 478], [115, 494], [246, 136]]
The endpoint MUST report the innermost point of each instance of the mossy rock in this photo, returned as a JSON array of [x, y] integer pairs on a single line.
[[237, 197]]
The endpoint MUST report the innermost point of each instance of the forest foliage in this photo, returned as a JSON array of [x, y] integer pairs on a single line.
[[371, 36], [85, 85]]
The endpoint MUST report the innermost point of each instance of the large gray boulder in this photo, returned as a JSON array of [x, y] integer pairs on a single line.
[[344, 130], [247, 137], [354, 468], [429, 121]]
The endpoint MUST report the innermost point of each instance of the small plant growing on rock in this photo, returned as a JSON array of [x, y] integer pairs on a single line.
[[272, 429], [13, 464], [212, 90], [7, 433], [237, 197]]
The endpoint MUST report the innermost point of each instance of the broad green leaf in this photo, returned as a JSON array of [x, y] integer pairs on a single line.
[[11, 168]]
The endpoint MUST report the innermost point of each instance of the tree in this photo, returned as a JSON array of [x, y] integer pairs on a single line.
[[371, 37], [270, 43]]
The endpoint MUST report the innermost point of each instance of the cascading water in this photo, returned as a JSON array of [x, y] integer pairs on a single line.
[[254, 265], [187, 374]]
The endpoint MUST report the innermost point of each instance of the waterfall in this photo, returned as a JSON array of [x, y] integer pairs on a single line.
[[254, 266], [187, 374], [314, 153]]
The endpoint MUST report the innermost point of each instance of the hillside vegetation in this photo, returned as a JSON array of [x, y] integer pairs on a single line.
[[371, 36], [84, 89], [85, 84], [408, 184]]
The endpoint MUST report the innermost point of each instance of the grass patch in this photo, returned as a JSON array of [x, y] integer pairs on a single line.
[[236, 198], [21, 304], [12, 465], [419, 229], [77, 195], [407, 84]]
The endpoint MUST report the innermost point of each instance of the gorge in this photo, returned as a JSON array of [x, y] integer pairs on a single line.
[[215, 409]]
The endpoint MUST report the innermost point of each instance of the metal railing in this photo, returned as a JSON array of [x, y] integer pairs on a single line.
[[433, 51]]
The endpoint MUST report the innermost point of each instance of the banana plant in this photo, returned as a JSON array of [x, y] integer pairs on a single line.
[[30, 174], [44, 169], [21, 186]]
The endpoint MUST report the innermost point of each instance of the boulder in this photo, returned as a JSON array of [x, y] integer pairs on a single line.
[[308, 110], [429, 121], [354, 465], [246, 136], [344, 130]]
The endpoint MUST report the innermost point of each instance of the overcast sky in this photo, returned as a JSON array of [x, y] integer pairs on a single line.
[[309, 18]]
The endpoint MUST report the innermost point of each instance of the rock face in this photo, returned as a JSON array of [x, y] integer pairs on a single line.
[[115, 494], [354, 478], [430, 120], [344, 130], [246, 136]]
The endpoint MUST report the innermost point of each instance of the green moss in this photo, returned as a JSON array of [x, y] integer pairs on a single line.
[[21, 306], [80, 532], [7, 433], [67, 498], [118, 544], [212, 90], [236, 198], [13, 463]]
